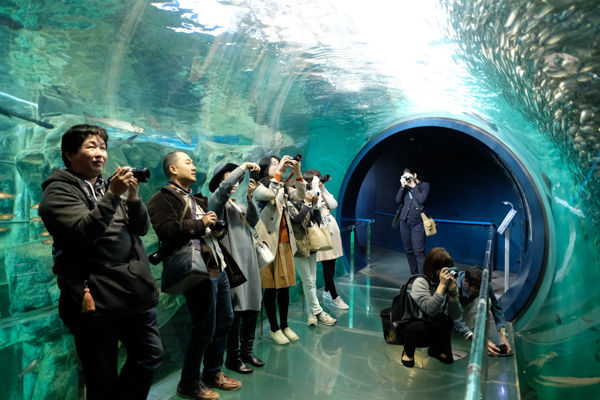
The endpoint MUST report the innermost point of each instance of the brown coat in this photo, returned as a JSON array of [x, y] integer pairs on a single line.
[[165, 209]]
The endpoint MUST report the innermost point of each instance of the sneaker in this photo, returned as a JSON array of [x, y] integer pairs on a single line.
[[278, 337], [312, 320], [326, 319], [289, 333], [327, 296], [222, 382], [339, 303], [198, 391]]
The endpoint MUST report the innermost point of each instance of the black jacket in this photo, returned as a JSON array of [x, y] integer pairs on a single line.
[[165, 209], [408, 209]]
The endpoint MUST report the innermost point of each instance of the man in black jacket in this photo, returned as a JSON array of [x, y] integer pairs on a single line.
[[94, 223], [209, 302]]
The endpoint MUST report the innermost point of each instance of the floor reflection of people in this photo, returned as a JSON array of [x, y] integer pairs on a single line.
[[328, 359]]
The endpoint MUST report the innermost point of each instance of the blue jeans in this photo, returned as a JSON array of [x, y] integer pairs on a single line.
[[209, 303], [97, 347], [413, 238]]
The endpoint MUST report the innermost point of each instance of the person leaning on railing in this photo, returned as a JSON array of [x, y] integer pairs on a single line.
[[469, 284], [436, 296]]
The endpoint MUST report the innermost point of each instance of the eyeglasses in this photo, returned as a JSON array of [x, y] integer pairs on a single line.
[[275, 163]]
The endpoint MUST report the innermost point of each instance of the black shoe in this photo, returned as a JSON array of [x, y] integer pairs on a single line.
[[447, 360], [407, 364], [234, 363], [252, 360]]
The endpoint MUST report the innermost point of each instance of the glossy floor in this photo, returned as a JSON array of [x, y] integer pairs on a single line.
[[351, 359]]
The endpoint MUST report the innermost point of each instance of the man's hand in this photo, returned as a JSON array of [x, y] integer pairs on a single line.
[[495, 351], [209, 219], [120, 181], [504, 341], [132, 194]]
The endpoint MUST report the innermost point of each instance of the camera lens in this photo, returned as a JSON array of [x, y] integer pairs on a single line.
[[326, 178], [297, 157], [141, 174]]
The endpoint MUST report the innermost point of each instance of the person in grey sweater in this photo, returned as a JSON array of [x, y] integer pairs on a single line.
[[247, 297], [436, 294]]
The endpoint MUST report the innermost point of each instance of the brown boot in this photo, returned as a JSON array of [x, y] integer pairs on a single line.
[[223, 382], [197, 391]]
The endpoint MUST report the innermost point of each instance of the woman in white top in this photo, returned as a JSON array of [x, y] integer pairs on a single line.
[[326, 203]]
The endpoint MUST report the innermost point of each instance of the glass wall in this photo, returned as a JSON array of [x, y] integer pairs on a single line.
[[233, 81]]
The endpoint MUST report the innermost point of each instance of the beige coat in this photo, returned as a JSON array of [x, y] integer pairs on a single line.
[[327, 203], [270, 217]]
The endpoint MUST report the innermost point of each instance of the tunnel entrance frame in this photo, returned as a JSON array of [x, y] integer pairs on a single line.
[[529, 279]]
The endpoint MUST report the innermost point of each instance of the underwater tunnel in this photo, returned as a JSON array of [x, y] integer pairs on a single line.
[[490, 101]]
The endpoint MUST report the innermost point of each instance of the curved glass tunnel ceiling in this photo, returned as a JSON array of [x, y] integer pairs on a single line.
[[232, 81]]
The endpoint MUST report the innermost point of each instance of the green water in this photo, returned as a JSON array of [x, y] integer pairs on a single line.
[[244, 79]]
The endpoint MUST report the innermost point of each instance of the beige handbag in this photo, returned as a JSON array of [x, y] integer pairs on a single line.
[[428, 223], [319, 238]]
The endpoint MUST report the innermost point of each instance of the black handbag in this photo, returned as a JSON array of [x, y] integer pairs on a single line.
[[183, 270], [405, 309]]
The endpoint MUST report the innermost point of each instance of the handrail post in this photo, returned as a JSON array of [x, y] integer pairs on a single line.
[[352, 254], [369, 245], [507, 259]]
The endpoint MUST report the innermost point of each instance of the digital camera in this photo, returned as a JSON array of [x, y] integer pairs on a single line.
[[326, 178], [219, 226], [141, 174]]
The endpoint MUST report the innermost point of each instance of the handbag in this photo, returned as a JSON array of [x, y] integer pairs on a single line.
[[184, 268], [405, 309], [428, 223], [319, 238], [263, 254]]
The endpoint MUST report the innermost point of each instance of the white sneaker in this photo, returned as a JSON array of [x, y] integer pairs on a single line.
[[339, 303], [327, 296], [326, 319], [289, 333], [278, 337], [312, 320]]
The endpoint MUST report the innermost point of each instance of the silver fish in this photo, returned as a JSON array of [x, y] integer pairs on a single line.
[[121, 142], [31, 366], [114, 123], [181, 134]]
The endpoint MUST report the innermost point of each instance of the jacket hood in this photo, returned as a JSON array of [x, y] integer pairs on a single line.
[[66, 176]]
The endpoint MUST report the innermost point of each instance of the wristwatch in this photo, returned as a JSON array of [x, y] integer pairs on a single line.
[[504, 333]]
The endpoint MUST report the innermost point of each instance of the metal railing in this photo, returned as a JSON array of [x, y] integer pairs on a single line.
[[477, 369], [352, 228], [447, 221]]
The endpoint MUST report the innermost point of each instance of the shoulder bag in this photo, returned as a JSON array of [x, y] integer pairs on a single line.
[[428, 223], [264, 255], [405, 309], [184, 268], [319, 238]]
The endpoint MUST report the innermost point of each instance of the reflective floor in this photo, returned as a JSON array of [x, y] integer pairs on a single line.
[[351, 359]]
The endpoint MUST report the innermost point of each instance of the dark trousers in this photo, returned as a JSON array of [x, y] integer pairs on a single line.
[[97, 347], [209, 303], [328, 276], [421, 334], [413, 238]]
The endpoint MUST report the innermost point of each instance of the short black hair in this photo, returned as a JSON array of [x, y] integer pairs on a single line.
[[411, 171], [473, 276], [168, 161], [74, 137]]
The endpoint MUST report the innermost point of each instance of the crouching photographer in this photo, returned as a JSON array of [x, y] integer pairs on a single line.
[[182, 221], [436, 296]]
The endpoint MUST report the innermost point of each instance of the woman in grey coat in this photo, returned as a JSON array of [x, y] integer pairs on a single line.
[[436, 294], [247, 297]]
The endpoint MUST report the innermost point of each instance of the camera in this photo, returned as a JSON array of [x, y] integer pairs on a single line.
[[326, 178], [503, 349], [219, 226], [160, 254], [297, 157], [141, 174], [453, 272], [407, 179]]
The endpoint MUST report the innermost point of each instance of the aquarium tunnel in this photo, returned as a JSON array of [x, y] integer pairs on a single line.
[[494, 103]]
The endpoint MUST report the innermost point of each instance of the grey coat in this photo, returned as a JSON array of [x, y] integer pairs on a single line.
[[433, 304], [238, 241]]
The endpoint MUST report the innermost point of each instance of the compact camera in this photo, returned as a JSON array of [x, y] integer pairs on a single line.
[[219, 226], [160, 254], [297, 157], [503, 349], [408, 179], [141, 174], [453, 272]]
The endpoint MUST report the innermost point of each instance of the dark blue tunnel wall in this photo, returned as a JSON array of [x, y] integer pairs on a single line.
[[471, 173]]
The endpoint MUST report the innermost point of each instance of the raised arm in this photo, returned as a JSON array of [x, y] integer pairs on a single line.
[[421, 192], [219, 198]]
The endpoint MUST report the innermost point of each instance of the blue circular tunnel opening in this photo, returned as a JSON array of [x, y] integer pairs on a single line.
[[471, 174]]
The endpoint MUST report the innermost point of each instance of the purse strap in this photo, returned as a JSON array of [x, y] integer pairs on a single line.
[[421, 207], [245, 221]]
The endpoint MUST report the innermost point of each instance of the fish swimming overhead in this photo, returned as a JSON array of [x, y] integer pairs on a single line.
[[121, 142], [6, 195], [30, 367], [10, 114], [181, 134], [114, 123]]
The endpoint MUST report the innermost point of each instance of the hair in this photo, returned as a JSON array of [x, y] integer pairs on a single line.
[[436, 259], [412, 171], [473, 276], [168, 161], [74, 137], [264, 165], [308, 177]]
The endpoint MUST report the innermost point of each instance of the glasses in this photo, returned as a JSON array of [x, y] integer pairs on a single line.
[[275, 163]]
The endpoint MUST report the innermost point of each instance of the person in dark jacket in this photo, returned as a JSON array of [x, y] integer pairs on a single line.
[[408, 218], [89, 217], [209, 302]]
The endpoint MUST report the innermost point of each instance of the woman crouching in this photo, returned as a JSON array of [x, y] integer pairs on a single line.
[[437, 297]]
